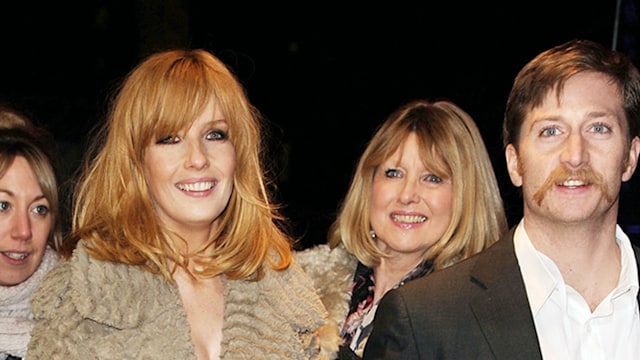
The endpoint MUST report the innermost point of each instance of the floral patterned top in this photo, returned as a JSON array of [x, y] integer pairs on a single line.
[[358, 324]]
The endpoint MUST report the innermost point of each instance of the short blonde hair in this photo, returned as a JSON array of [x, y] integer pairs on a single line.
[[19, 139], [450, 144]]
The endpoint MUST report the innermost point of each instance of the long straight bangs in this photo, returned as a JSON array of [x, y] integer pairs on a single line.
[[5, 161], [385, 142], [175, 101], [434, 140]]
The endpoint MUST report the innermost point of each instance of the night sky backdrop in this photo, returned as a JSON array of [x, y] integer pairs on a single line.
[[324, 75]]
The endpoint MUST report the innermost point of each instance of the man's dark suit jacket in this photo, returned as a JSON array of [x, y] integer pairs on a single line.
[[476, 309]]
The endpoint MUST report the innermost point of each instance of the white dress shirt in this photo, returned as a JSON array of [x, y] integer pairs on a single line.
[[566, 327]]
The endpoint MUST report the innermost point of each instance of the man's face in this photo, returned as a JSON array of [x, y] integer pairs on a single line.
[[573, 155]]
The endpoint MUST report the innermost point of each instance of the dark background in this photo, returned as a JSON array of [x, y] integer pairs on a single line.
[[324, 75]]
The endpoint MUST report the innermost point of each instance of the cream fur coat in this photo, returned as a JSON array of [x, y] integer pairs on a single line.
[[331, 271], [89, 309]]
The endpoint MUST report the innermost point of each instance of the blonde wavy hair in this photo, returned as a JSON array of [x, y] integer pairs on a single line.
[[452, 147], [113, 213]]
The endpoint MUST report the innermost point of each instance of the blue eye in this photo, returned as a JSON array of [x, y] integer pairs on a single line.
[[392, 173], [217, 135], [42, 210], [433, 178], [550, 131], [168, 140], [601, 128]]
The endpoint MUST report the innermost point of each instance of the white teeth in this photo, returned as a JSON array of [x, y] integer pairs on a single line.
[[409, 218], [570, 183], [201, 186], [15, 256]]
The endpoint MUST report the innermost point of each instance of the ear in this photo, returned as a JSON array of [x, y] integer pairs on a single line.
[[511, 155], [632, 161]]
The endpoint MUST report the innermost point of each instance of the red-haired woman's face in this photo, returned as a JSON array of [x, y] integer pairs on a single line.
[[190, 175]]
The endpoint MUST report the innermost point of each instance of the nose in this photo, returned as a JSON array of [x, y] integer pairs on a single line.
[[409, 193], [197, 156], [575, 152], [21, 226]]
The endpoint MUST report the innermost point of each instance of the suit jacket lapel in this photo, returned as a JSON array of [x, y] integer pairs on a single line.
[[501, 307], [636, 251]]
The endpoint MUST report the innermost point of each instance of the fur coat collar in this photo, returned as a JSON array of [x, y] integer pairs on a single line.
[[94, 309], [332, 272]]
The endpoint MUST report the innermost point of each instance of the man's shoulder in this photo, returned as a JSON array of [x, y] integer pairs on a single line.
[[466, 275], [636, 252], [444, 279]]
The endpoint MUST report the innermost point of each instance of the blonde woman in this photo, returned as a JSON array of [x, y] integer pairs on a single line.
[[30, 226], [423, 196]]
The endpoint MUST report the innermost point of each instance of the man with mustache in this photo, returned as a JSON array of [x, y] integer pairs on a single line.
[[563, 283]]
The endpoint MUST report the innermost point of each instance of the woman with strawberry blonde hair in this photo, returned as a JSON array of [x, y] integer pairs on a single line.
[[181, 253]]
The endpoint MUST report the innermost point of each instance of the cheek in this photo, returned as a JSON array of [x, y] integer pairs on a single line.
[[155, 183], [229, 164], [40, 231], [537, 171], [441, 202], [5, 229], [225, 159], [158, 170], [149, 165], [381, 194]]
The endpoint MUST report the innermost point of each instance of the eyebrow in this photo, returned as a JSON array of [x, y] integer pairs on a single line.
[[8, 192], [12, 194]]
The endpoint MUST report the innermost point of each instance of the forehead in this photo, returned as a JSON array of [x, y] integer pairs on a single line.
[[18, 170], [583, 94], [590, 84]]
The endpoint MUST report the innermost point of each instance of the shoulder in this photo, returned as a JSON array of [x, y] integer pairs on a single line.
[[275, 291], [636, 251], [87, 308], [331, 271], [326, 265], [445, 284], [98, 288], [284, 304], [486, 269], [51, 290]]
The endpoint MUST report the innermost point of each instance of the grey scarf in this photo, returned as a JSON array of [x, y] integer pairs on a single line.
[[16, 320]]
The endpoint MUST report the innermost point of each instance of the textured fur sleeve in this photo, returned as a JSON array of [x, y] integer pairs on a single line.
[[331, 271]]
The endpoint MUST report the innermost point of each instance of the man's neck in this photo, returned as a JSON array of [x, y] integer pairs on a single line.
[[586, 254]]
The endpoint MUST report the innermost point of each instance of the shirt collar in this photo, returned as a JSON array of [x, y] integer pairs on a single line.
[[539, 279], [629, 266], [541, 276]]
